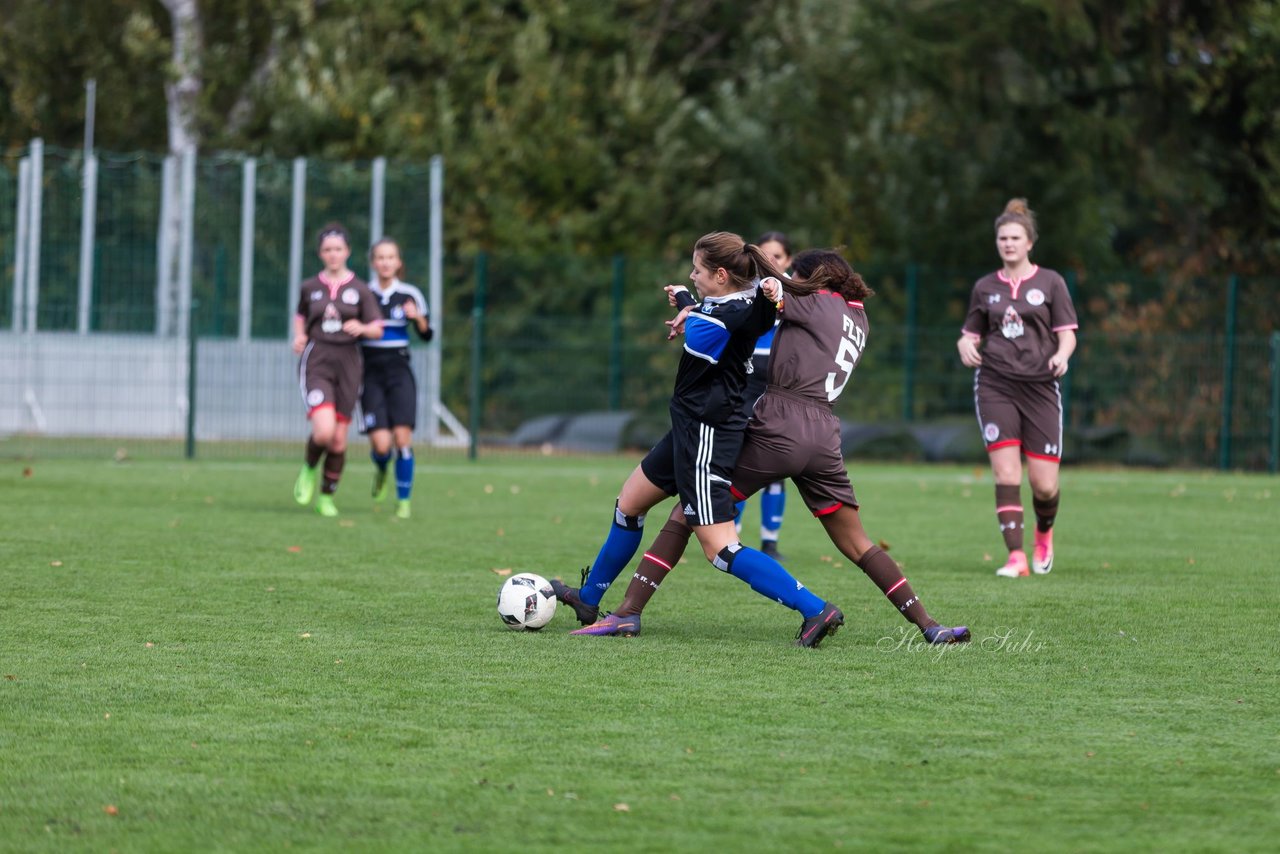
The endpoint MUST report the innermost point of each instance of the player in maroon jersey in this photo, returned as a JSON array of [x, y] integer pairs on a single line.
[[335, 310], [794, 433], [1023, 318]]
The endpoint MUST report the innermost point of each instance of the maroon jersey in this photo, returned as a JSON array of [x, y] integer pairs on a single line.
[[1020, 321], [817, 345], [325, 305]]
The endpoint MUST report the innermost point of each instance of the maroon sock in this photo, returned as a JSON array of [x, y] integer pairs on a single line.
[[333, 464], [1009, 513], [1046, 512], [659, 560], [887, 575], [314, 452]]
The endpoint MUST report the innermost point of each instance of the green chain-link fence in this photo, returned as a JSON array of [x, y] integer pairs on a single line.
[[572, 353]]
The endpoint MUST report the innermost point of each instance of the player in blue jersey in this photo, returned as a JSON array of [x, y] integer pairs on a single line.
[[773, 498], [794, 432], [696, 457], [389, 399]]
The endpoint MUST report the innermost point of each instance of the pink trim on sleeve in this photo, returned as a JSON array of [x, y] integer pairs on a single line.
[[970, 334], [1068, 326]]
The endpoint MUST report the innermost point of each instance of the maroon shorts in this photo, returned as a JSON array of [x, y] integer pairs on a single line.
[[329, 375], [1019, 413], [796, 437]]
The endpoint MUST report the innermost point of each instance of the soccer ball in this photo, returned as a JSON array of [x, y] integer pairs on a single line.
[[525, 601]]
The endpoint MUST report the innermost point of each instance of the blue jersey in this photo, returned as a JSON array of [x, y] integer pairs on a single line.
[[395, 326], [719, 339]]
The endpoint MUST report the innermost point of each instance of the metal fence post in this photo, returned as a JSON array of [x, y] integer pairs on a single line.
[[477, 352], [88, 228], [36, 202], [435, 295], [295, 241], [248, 213], [615, 326], [20, 240], [186, 245], [911, 344], [192, 336], [1274, 458], [1229, 371]]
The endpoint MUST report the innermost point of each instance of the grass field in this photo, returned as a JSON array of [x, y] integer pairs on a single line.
[[191, 662]]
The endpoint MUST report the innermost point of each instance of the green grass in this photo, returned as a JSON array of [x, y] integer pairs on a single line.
[[230, 672]]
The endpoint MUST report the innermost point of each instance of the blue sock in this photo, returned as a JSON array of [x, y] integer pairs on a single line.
[[767, 577], [404, 473], [380, 460], [619, 548], [772, 503], [737, 513]]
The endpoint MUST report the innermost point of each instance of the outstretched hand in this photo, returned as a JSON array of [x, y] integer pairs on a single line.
[[677, 323]]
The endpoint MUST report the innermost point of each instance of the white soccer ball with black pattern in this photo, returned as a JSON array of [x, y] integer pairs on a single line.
[[526, 602]]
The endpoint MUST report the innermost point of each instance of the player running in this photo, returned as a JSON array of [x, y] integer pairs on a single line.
[[389, 399], [794, 433], [1023, 317], [695, 458], [335, 310]]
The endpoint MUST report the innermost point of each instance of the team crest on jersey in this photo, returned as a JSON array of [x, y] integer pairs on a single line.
[[398, 312], [317, 295], [350, 297], [1035, 296], [990, 432], [1011, 325], [992, 299], [332, 321], [315, 397]]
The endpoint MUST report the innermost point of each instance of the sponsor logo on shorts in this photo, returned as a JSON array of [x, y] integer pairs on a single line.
[[990, 432], [350, 297], [315, 397], [1050, 449], [1035, 296]]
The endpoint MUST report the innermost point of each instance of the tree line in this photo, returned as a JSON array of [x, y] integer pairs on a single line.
[[1146, 133]]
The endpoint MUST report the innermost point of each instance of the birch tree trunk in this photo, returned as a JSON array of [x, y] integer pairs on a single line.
[[181, 96]]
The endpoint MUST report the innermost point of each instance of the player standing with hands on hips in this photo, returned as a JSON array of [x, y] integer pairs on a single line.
[[335, 310], [1023, 318], [389, 400]]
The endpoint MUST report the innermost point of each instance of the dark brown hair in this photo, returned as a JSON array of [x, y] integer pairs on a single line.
[[332, 229], [828, 270], [1016, 212], [744, 262]]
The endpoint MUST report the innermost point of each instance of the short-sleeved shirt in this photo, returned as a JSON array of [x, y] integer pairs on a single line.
[[818, 344], [1019, 321], [325, 305], [719, 338], [395, 326]]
